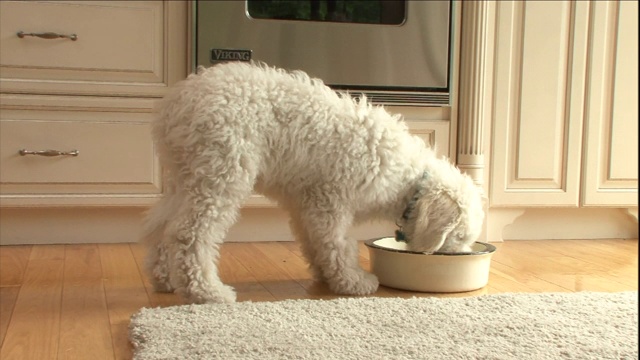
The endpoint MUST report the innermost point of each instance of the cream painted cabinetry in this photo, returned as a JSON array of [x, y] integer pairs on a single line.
[[83, 76], [565, 110], [610, 174], [78, 81], [433, 125], [112, 48]]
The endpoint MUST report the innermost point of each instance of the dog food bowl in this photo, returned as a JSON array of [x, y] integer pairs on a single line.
[[399, 268]]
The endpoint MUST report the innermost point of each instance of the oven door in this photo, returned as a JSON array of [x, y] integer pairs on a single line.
[[397, 52]]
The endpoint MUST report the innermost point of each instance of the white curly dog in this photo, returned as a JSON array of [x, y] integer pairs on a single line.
[[329, 160]]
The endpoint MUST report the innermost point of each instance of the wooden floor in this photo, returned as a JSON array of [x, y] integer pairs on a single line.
[[74, 301]]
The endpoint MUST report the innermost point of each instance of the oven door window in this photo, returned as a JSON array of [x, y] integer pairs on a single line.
[[385, 12]]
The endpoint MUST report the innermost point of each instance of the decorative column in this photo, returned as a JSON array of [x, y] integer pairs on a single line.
[[474, 97], [475, 106]]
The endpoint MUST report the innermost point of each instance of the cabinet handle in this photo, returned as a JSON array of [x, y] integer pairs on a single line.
[[47, 35], [24, 152]]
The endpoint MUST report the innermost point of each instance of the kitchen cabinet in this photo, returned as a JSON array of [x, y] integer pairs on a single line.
[[610, 149], [78, 83], [565, 110]]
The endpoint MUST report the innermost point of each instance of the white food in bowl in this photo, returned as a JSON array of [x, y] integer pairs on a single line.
[[399, 268]]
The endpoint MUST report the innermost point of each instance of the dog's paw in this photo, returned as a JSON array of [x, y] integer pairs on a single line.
[[357, 282], [162, 286], [159, 278], [215, 295]]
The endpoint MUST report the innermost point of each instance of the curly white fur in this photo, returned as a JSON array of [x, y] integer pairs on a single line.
[[327, 159]]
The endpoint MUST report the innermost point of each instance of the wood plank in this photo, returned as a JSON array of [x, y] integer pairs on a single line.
[[8, 297], [294, 247], [512, 254], [34, 330], [296, 268], [288, 262], [233, 273], [538, 258], [591, 251], [125, 293], [84, 327], [612, 272], [122, 348], [508, 279], [363, 250], [155, 298], [630, 244], [13, 263], [565, 271], [363, 253], [586, 282], [28, 314], [276, 281]]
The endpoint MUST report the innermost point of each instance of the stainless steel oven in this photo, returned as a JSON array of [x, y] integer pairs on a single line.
[[397, 52]]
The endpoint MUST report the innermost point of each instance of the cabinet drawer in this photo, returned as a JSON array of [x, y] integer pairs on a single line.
[[118, 43], [113, 157]]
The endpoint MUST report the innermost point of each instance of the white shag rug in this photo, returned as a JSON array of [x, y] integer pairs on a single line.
[[584, 325]]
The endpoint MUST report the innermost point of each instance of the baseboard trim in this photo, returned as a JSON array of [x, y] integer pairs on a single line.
[[123, 225]]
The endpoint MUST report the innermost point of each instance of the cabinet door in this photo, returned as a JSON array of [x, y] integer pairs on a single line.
[[538, 93], [611, 140], [112, 48]]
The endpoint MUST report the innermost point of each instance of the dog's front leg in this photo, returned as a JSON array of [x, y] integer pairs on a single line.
[[335, 254]]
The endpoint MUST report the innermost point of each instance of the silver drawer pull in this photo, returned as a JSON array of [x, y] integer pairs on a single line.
[[47, 35], [24, 152]]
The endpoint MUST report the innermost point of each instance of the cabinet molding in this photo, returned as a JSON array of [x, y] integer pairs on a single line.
[[610, 176], [540, 59]]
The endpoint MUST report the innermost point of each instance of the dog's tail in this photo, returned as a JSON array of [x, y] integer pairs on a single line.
[[153, 227]]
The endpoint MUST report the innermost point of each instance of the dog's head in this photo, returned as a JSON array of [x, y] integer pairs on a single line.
[[447, 217]]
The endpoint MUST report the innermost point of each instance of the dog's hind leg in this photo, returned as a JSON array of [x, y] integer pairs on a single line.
[[210, 200], [198, 230], [334, 253], [157, 261]]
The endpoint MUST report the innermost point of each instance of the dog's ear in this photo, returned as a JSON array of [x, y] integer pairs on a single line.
[[435, 218]]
